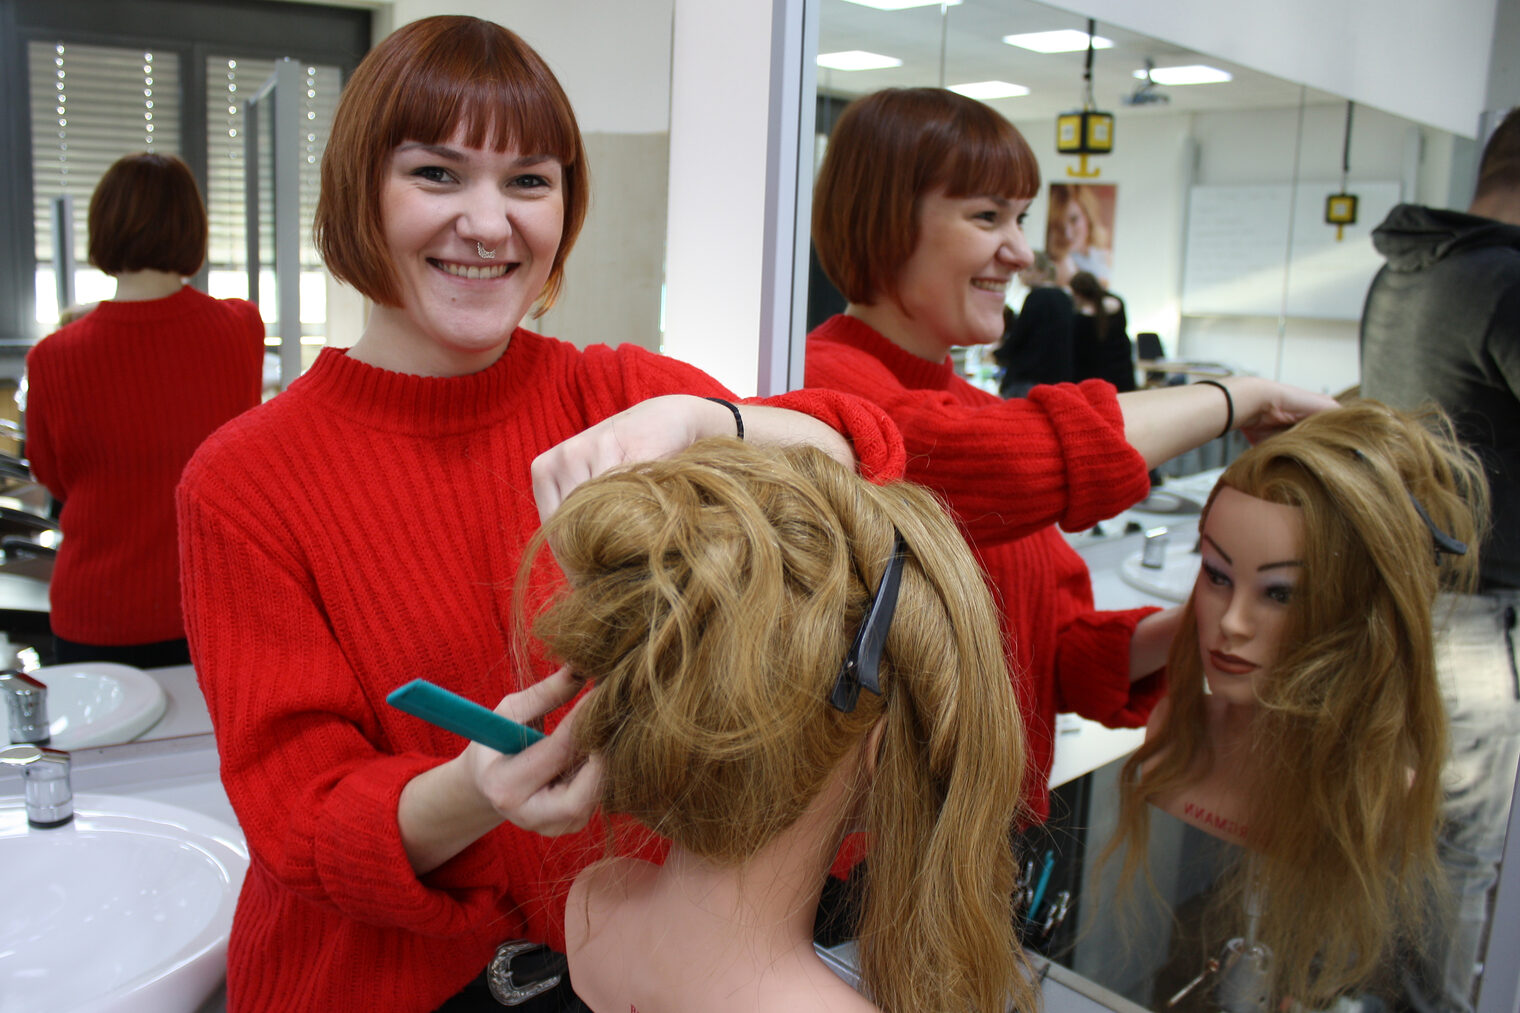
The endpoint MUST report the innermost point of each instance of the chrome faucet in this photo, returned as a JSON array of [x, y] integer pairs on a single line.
[[26, 700], [45, 773], [1153, 555]]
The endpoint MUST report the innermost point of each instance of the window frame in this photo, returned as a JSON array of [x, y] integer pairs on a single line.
[[193, 30]]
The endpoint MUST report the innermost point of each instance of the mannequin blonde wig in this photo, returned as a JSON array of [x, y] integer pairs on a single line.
[[711, 599], [1349, 733]]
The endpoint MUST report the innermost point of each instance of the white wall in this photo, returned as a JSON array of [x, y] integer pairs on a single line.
[[611, 56], [613, 59], [1158, 157], [1421, 60], [720, 116]]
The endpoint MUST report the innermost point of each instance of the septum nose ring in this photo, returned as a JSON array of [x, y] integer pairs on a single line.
[[485, 254]]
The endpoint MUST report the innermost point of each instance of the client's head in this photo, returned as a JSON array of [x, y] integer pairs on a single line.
[[712, 599]]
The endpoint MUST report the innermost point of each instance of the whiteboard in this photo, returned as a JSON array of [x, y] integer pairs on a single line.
[[1236, 257]]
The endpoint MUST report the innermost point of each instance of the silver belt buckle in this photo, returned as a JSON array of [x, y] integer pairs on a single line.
[[499, 974]]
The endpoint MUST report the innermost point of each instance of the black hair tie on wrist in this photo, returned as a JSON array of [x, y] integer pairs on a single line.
[[1229, 405], [738, 419]]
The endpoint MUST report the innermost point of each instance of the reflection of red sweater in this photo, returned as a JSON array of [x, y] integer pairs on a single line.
[[116, 403], [1010, 470], [358, 531]]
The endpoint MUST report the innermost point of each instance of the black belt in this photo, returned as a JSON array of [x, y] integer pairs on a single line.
[[524, 975]]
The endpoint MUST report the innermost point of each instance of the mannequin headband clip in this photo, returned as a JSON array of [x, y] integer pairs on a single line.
[[862, 665], [1442, 542]]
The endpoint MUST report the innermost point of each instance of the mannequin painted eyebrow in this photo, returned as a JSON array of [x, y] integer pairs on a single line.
[[1264, 566]]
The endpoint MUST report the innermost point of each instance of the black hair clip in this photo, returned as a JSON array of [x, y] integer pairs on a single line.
[[1444, 542], [862, 664]]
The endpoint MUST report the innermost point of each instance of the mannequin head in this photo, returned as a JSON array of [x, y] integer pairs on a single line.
[[712, 598], [1244, 591], [1342, 787]]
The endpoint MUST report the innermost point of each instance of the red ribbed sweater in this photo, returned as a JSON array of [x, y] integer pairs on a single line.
[[116, 403], [358, 531], [1009, 471]]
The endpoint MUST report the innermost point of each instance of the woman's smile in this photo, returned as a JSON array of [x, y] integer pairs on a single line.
[[472, 272]]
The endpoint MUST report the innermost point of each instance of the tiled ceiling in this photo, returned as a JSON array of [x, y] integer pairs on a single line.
[[970, 37]]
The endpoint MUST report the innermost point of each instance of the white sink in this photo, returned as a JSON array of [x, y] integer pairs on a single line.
[[1173, 582], [97, 703], [124, 910]]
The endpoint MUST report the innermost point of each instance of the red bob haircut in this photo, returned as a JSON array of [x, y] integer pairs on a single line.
[[147, 215], [889, 149], [420, 84]]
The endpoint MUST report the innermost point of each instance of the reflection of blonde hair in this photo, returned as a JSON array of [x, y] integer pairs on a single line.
[[1350, 732], [1086, 199], [712, 598]]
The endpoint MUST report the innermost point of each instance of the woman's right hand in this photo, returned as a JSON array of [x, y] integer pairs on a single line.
[[1162, 422], [1274, 407], [546, 788]]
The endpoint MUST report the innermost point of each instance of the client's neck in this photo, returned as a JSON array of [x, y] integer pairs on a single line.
[[762, 909], [696, 935]]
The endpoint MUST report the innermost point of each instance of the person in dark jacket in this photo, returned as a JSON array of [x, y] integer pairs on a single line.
[[1442, 324], [1037, 346], [1100, 341]]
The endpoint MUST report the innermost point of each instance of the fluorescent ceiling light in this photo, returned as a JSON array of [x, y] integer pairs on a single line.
[[857, 59], [900, 5], [987, 90], [1194, 74], [1067, 40]]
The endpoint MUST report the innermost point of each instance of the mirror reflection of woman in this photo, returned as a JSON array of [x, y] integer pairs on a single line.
[[118, 400], [362, 528], [713, 601], [917, 218], [1304, 719]]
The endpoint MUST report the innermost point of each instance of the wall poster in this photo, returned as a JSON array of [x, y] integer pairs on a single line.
[[1079, 229]]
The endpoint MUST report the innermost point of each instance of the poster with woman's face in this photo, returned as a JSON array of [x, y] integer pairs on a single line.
[[1079, 231]]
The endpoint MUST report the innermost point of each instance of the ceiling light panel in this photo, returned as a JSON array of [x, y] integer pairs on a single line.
[[902, 5], [985, 91], [1067, 40], [1192, 74], [857, 59]]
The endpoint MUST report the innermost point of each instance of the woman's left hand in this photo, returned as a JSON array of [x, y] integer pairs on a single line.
[[650, 429]]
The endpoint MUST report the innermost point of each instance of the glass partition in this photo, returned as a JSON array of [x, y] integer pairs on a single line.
[[1209, 220]]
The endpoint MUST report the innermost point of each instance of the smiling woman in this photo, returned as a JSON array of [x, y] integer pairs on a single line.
[[917, 218], [385, 499]]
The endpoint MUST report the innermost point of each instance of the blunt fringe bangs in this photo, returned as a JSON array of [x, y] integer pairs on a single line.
[[889, 149], [424, 81], [147, 215]]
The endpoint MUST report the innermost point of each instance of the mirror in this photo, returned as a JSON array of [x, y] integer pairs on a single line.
[[1214, 199], [617, 77]]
